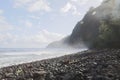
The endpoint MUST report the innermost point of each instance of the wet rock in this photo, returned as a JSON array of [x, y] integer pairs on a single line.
[[0, 76], [96, 65], [39, 75], [9, 75], [100, 78]]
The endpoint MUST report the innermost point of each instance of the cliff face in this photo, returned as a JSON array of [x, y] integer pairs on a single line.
[[88, 29], [85, 30], [98, 28]]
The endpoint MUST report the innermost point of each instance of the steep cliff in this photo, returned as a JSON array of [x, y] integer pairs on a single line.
[[88, 30], [100, 27]]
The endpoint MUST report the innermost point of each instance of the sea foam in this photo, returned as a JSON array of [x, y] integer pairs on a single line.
[[10, 57]]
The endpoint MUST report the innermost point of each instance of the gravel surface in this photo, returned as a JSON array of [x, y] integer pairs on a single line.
[[99, 64]]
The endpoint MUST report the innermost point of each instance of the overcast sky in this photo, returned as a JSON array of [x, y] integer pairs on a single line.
[[35, 23]]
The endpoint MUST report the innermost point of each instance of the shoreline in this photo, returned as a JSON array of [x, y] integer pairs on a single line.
[[96, 64], [17, 57]]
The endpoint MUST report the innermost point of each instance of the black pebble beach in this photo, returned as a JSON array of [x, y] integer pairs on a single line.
[[99, 64]]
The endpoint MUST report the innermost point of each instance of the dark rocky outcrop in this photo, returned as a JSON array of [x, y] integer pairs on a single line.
[[92, 30], [88, 29]]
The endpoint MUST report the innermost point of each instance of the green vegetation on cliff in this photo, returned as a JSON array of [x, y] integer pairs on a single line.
[[109, 34], [100, 28]]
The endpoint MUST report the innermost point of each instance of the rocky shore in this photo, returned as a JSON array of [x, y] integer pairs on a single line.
[[100, 64]]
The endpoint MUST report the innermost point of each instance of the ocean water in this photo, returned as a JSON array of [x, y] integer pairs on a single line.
[[16, 56]]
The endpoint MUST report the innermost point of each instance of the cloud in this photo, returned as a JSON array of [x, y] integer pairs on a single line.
[[34, 17], [39, 5], [41, 39], [70, 8], [66, 8], [75, 6], [28, 24], [84, 2], [33, 5], [4, 24], [21, 3], [50, 36], [1, 11], [75, 11], [80, 2], [5, 38]]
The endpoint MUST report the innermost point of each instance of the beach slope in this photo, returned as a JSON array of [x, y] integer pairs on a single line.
[[98, 64]]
